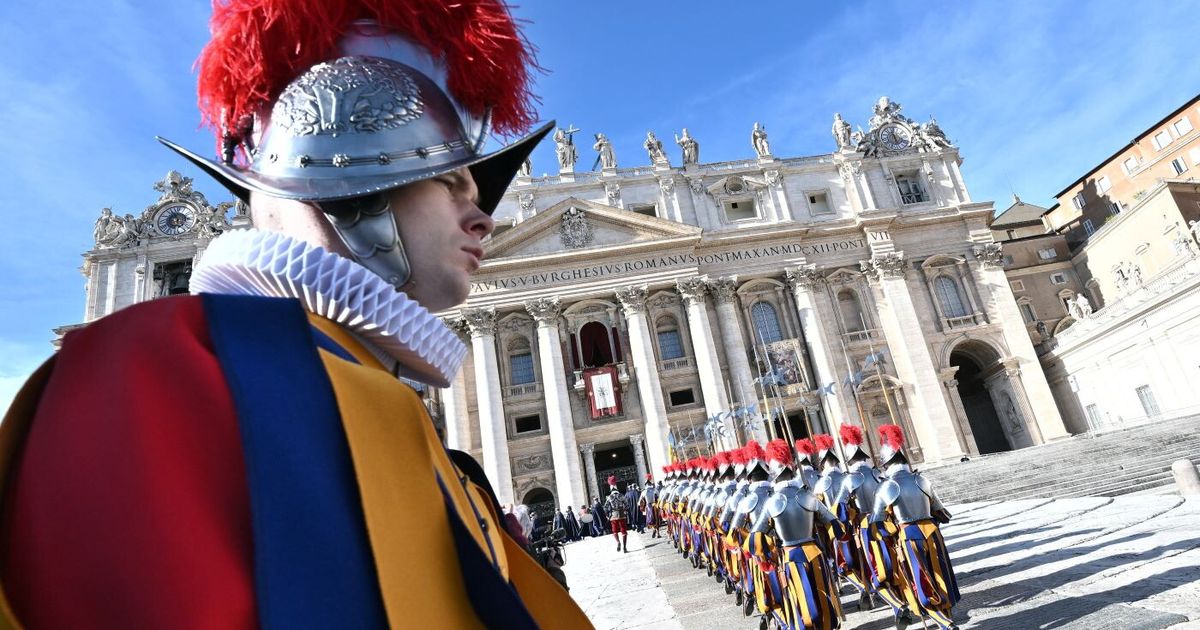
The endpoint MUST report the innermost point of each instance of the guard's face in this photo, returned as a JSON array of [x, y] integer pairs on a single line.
[[441, 227]]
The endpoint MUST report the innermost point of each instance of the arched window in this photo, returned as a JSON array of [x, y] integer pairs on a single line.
[[766, 322], [949, 297], [520, 362], [851, 310], [670, 344]]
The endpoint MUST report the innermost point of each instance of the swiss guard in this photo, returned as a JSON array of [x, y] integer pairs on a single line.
[[907, 504], [293, 480], [618, 514]]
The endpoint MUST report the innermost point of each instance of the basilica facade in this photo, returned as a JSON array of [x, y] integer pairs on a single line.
[[632, 314]]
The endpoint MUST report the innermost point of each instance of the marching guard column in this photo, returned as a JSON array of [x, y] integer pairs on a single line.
[[931, 416], [492, 433], [567, 479], [803, 280], [633, 305], [724, 291], [709, 369]]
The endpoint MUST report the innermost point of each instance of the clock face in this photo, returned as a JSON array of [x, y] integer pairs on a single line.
[[894, 137], [176, 219]]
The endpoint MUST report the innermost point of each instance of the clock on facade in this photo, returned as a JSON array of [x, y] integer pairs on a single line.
[[175, 219], [894, 137]]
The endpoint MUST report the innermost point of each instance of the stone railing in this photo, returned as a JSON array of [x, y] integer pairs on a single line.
[[668, 365], [524, 389], [1167, 281], [871, 334], [966, 321]]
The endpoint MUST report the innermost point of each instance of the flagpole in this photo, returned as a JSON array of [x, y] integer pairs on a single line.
[[761, 383], [862, 417]]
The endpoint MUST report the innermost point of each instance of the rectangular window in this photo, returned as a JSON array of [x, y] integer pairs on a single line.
[[1058, 278], [1114, 208], [1093, 415], [1078, 200], [910, 189], [1179, 165], [819, 202], [1194, 156], [647, 209], [521, 368], [528, 424], [1162, 139], [1182, 126], [1017, 285], [172, 278], [670, 346], [682, 397], [1149, 405], [1047, 253], [740, 210], [1089, 227], [1103, 185], [1131, 164], [1027, 312]]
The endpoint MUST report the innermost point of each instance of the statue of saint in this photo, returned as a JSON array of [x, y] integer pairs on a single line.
[[758, 139], [1083, 306], [526, 168], [654, 147], [933, 135], [603, 147], [102, 233], [841, 132], [691, 148], [564, 148]]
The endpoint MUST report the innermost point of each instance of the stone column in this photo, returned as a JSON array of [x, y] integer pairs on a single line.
[[724, 291], [712, 385], [805, 281], [588, 450], [1005, 312], [932, 419], [493, 433], [639, 456], [966, 440], [560, 422], [454, 402], [641, 349]]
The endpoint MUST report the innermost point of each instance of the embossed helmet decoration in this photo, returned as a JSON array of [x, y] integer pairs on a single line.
[[891, 445], [805, 450], [337, 102], [852, 439]]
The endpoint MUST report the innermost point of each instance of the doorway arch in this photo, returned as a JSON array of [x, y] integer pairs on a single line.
[[540, 502], [975, 362]]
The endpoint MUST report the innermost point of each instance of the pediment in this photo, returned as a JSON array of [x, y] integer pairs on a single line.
[[589, 226]]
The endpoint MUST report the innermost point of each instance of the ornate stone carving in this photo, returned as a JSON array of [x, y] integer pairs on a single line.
[[632, 299], [691, 148], [517, 324], [666, 185], [459, 326], [841, 133], [804, 277], [532, 463], [692, 289], [1012, 367], [890, 265], [723, 289], [525, 199], [758, 140], [349, 95], [892, 132], [574, 229], [607, 157], [849, 170], [696, 184], [990, 254], [480, 321], [564, 148], [176, 187], [587, 448], [544, 310], [773, 177], [636, 439], [612, 190], [662, 301], [654, 147]]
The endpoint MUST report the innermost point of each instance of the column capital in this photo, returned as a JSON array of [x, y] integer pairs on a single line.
[[803, 277], [636, 439], [990, 254], [480, 321], [1012, 366], [883, 266], [459, 326], [632, 299], [587, 448], [545, 311], [692, 289], [723, 289]]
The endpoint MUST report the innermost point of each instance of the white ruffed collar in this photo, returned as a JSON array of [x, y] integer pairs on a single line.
[[254, 262]]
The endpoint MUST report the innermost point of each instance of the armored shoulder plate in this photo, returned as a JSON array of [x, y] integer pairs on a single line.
[[794, 510], [776, 504], [748, 503]]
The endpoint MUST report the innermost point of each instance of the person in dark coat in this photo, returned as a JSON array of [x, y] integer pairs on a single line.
[[599, 519], [559, 521], [635, 517], [571, 524]]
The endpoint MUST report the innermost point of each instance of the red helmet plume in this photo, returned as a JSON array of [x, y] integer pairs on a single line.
[[891, 436], [851, 435], [754, 450], [779, 451], [722, 458], [649, 477], [710, 464], [738, 456], [612, 480], [806, 447], [823, 441]]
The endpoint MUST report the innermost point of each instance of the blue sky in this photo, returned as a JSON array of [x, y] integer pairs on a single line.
[[1034, 93]]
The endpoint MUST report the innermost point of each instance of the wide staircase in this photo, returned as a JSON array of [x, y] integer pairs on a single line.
[[1109, 464]]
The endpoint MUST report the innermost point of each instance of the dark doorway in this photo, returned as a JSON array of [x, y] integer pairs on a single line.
[[614, 460], [595, 345], [981, 413], [541, 506]]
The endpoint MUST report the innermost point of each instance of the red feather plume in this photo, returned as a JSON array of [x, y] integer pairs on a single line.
[[851, 435], [892, 436], [259, 46], [823, 441], [754, 450], [710, 464], [612, 480], [649, 477], [779, 451], [736, 456], [722, 458], [806, 447]]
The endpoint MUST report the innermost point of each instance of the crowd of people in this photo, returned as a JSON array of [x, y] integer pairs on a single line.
[[783, 529]]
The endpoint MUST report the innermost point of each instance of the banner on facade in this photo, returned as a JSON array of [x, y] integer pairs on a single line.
[[603, 392], [784, 360]]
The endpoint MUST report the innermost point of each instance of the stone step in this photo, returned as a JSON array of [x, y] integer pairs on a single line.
[[1094, 475]]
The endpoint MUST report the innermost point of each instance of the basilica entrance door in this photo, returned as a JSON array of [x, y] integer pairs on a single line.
[[977, 402], [614, 460]]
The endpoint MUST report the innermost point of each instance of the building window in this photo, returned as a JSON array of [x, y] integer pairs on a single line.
[[851, 310], [1179, 165], [1027, 312], [1149, 405], [948, 296], [1114, 208], [1162, 139], [1194, 156], [681, 397], [766, 322], [1089, 227], [910, 189], [819, 202], [1103, 185], [1017, 285], [1047, 253], [1078, 200], [670, 345], [171, 278], [647, 209], [1131, 164], [528, 424], [1182, 126], [1058, 278], [1093, 415], [520, 368], [740, 210]]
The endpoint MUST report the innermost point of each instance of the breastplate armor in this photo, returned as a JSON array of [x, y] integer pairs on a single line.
[[753, 503], [907, 498], [617, 507], [862, 486], [794, 509], [829, 487], [810, 477], [730, 508]]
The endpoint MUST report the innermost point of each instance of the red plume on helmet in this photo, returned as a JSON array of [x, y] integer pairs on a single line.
[[710, 464], [612, 480], [737, 456], [891, 436], [823, 441], [778, 451], [851, 435], [649, 477], [259, 46], [806, 447], [722, 458], [754, 450]]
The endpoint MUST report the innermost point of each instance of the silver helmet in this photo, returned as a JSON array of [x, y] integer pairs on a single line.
[[891, 445]]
